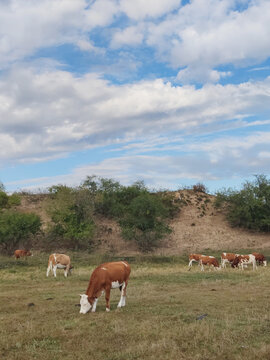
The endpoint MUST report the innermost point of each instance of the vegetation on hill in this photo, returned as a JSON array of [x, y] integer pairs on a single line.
[[142, 215], [71, 216], [16, 228], [249, 207]]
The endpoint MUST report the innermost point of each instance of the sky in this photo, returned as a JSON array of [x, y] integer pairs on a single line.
[[169, 92]]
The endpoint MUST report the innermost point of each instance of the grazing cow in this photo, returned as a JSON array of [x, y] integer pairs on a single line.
[[22, 253], [211, 261], [227, 258], [260, 258], [60, 261], [195, 258], [244, 260], [104, 278]]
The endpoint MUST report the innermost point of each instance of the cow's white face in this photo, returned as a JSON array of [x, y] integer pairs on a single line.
[[85, 305]]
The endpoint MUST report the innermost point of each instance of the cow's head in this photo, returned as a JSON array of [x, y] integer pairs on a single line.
[[85, 305], [28, 253], [235, 262]]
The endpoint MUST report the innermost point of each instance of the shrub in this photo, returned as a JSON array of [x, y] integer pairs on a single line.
[[144, 221], [71, 211], [3, 199], [249, 207], [14, 200], [199, 188], [141, 215], [16, 228]]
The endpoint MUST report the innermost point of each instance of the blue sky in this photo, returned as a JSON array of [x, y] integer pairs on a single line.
[[170, 92]]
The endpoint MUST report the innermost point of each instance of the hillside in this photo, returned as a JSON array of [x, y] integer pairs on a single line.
[[199, 226]]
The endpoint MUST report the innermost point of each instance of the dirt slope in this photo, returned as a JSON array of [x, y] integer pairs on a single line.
[[199, 226]]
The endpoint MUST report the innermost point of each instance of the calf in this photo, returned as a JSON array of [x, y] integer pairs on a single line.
[[60, 261], [260, 258], [195, 258], [22, 253], [227, 258], [244, 260], [211, 261], [104, 278]]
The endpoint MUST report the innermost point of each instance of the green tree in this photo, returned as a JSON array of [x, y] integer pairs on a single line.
[[71, 212], [3, 199], [248, 207], [16, 228], [144, 221]]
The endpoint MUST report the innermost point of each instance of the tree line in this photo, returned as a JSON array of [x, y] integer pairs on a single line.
[[142, 215]]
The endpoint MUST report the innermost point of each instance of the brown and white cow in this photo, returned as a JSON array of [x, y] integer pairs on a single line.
[[243, 260], [22, 253], [60, 261], [260, 258], [104, 278], [195, 258], [227, 258], [211, 261]]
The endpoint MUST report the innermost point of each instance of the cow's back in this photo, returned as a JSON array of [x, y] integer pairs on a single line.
[[112, 271], [19, 253], [59, 258]]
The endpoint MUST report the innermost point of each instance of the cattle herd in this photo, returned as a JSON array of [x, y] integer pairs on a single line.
[[235, 260], [113, 275]]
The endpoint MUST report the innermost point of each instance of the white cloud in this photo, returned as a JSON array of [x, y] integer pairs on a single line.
[[200, 39], [140, 9], [52, 113], [195, 39], [27, 26], [130, 36]]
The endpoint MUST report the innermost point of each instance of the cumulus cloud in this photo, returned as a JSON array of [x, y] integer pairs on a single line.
[[55, 112], [208, 33], [28, 26], [195, 39], [130, 36], [140, 9]]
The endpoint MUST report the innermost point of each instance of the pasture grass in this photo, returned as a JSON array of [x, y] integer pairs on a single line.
[[39, 316]]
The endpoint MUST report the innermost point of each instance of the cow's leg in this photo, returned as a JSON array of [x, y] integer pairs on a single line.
[[190, 263], [107, 297], [49, 268], [68, 269], [66, 272], [122, 301], [94, 305], [202, 268], [54, 270]]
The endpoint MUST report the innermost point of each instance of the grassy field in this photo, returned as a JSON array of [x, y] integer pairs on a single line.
[[39, 316]]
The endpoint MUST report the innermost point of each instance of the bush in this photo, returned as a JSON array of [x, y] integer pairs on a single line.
[[3, 199], [71, 211], [144, 221], [14, 200], [16, 228], [249, 207], [199, 188], [141, 215]]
